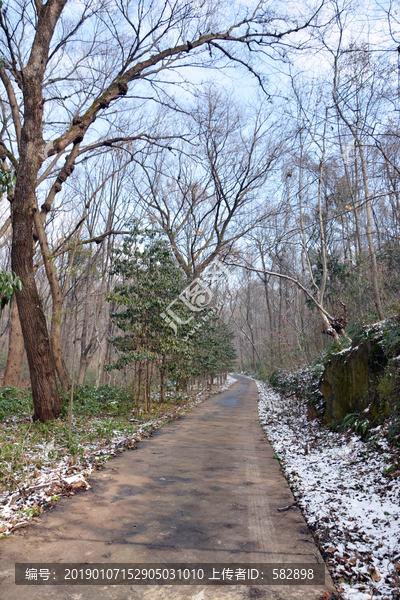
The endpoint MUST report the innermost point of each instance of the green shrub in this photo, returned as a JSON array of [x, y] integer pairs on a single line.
[[360, 424], [14, 402], [98, 400], [393, 435]]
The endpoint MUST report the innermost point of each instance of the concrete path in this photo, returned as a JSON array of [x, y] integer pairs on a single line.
[[204, 489]]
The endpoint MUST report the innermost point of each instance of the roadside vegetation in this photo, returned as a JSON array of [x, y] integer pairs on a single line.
[[40, 462]]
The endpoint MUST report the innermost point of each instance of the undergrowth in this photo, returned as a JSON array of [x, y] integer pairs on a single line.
[[99, 415], [14, 402], [304, 383]]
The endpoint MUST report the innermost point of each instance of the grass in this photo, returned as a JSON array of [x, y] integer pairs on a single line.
[[99, 415], [14, 402]]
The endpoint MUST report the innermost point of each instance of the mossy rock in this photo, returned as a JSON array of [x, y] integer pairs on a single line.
[[350, 381]]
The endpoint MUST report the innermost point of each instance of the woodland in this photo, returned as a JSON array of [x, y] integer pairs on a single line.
[[141, 141], [191, 189]]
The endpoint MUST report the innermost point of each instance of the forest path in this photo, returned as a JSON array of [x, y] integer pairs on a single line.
[[203, 489]]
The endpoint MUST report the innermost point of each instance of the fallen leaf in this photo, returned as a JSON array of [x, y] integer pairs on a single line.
[[375, 575], [79, 485]]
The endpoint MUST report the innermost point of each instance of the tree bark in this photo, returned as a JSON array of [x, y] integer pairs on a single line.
[[58, 301], [45, 395], [162, 381], [15, 350]]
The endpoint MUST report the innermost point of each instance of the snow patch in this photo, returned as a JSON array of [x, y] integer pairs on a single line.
[[342, 486]]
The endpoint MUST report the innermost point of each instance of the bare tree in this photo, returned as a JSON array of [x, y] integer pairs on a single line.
[[208, 198], [56, 88]]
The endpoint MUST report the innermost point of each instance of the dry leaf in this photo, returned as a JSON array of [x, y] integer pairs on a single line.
[[376, 576], [79, 485]]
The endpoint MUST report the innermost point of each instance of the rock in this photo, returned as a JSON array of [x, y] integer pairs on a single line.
[[350, 381]]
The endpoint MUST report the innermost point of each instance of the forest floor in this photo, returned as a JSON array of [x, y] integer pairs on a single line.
[[348, 491], [39, 463], [203, 489]]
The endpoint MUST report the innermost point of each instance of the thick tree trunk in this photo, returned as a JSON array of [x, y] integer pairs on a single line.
[[15, 350], [46, 400], [45, 395]]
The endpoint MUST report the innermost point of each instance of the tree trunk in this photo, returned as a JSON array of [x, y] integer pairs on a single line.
[[46, 400], [162, 382], [15, 350], [149, 386], [321, 219], [139, 394], [45, 395], [58, 301], [375, 283], [85, 348], [21, 370], [105, 375]]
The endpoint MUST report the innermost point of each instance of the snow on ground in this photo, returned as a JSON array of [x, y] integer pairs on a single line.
[[64, 477], [348, 491]]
